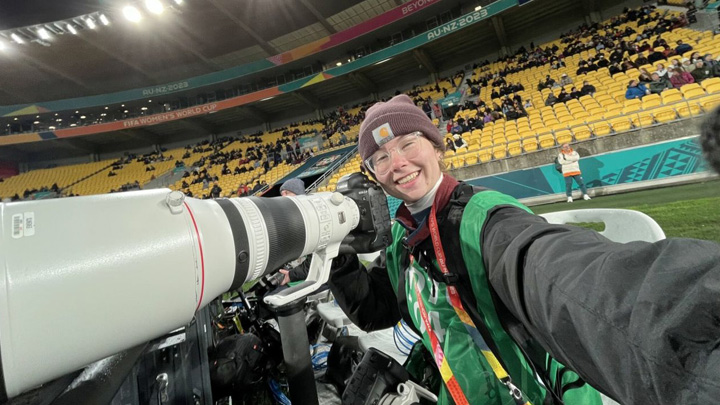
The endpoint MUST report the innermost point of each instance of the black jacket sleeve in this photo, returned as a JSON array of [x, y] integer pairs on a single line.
[[366, 296], [638, 321]]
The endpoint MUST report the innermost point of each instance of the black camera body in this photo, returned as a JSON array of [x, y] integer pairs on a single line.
[[374, 230]]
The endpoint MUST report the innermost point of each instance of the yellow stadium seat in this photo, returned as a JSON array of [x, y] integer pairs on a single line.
[[471, 159], [650, 101], [665, 114], [546, 141], [530, 144], [513, 138], [711, 82], [693, 93], [564, 136], [499, 152], [582, 132], [712, 88], [485, 155], [671, 96], [514, 148], [709, 103], [642, 119], [621, 124], [689, 109]]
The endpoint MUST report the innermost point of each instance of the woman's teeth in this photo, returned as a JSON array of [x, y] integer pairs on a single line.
[[408, 178]]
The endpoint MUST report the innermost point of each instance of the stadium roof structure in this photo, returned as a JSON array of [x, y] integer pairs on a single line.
[[210, 35]]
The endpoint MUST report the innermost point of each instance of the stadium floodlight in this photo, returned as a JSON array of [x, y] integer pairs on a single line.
[[178, 2], [338, 64], [132, 14], [104, 20], [478, 8], [82, 117], [90, 23], [43, 33], [71, 29], [154, 6], [15, 37], [36, 122], [2, 46]]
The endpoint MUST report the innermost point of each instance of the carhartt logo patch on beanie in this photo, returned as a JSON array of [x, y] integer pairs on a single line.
[[397, 117]]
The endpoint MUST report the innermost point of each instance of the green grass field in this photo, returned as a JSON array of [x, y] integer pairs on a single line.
[[689, 211]]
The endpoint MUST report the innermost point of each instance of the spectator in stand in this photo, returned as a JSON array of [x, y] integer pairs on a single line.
[[587, 88], [614, 69], [656, 55], [680, 78], [645, 76], [659, 83], [565, 80], [636, 90], [687, 65], [551, 100], [709, 61], [627, 64], [701, 72], [449, 126], [427, 109], [661, 71], [642, 60], [575, 93], [437, 111], [549, 82], [459, 142], [215, 191], [488, 116], [569, 159], [449, 144], [682, 47], [563, 96]]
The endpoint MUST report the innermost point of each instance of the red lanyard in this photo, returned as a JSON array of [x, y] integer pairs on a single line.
[[438, 354]]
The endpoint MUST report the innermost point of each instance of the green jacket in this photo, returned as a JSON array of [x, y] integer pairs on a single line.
[[468, 364]]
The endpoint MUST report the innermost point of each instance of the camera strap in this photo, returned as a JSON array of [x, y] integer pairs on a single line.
[[481, 336]]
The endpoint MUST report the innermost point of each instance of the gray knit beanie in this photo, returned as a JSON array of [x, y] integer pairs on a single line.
[[296, 186], [399, 116]]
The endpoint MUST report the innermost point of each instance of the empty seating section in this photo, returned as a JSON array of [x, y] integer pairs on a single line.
[[603, 113], [63, 176]]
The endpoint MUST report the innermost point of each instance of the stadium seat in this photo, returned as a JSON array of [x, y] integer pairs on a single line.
[[471, 159], [620, 124], [564, 136], [650, 101], [514, 148], [671, 96], [642, 119], [709, 103], [485, 155], [546, 141], [530, 144], [692, 90], [582, 132], [665, 114], [499, 152], [689, 109], [711, 83]]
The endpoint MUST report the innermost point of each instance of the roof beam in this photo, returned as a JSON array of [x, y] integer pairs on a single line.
[[254, 113], [322, 20], [81, 144], [129, 64], [497, 23], [271, 50], [43, 66], [424, 59], [143, 135], [362, 82], [307, 98], [200, 124]]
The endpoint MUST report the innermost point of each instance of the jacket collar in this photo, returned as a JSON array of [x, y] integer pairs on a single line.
[[419, 232]]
